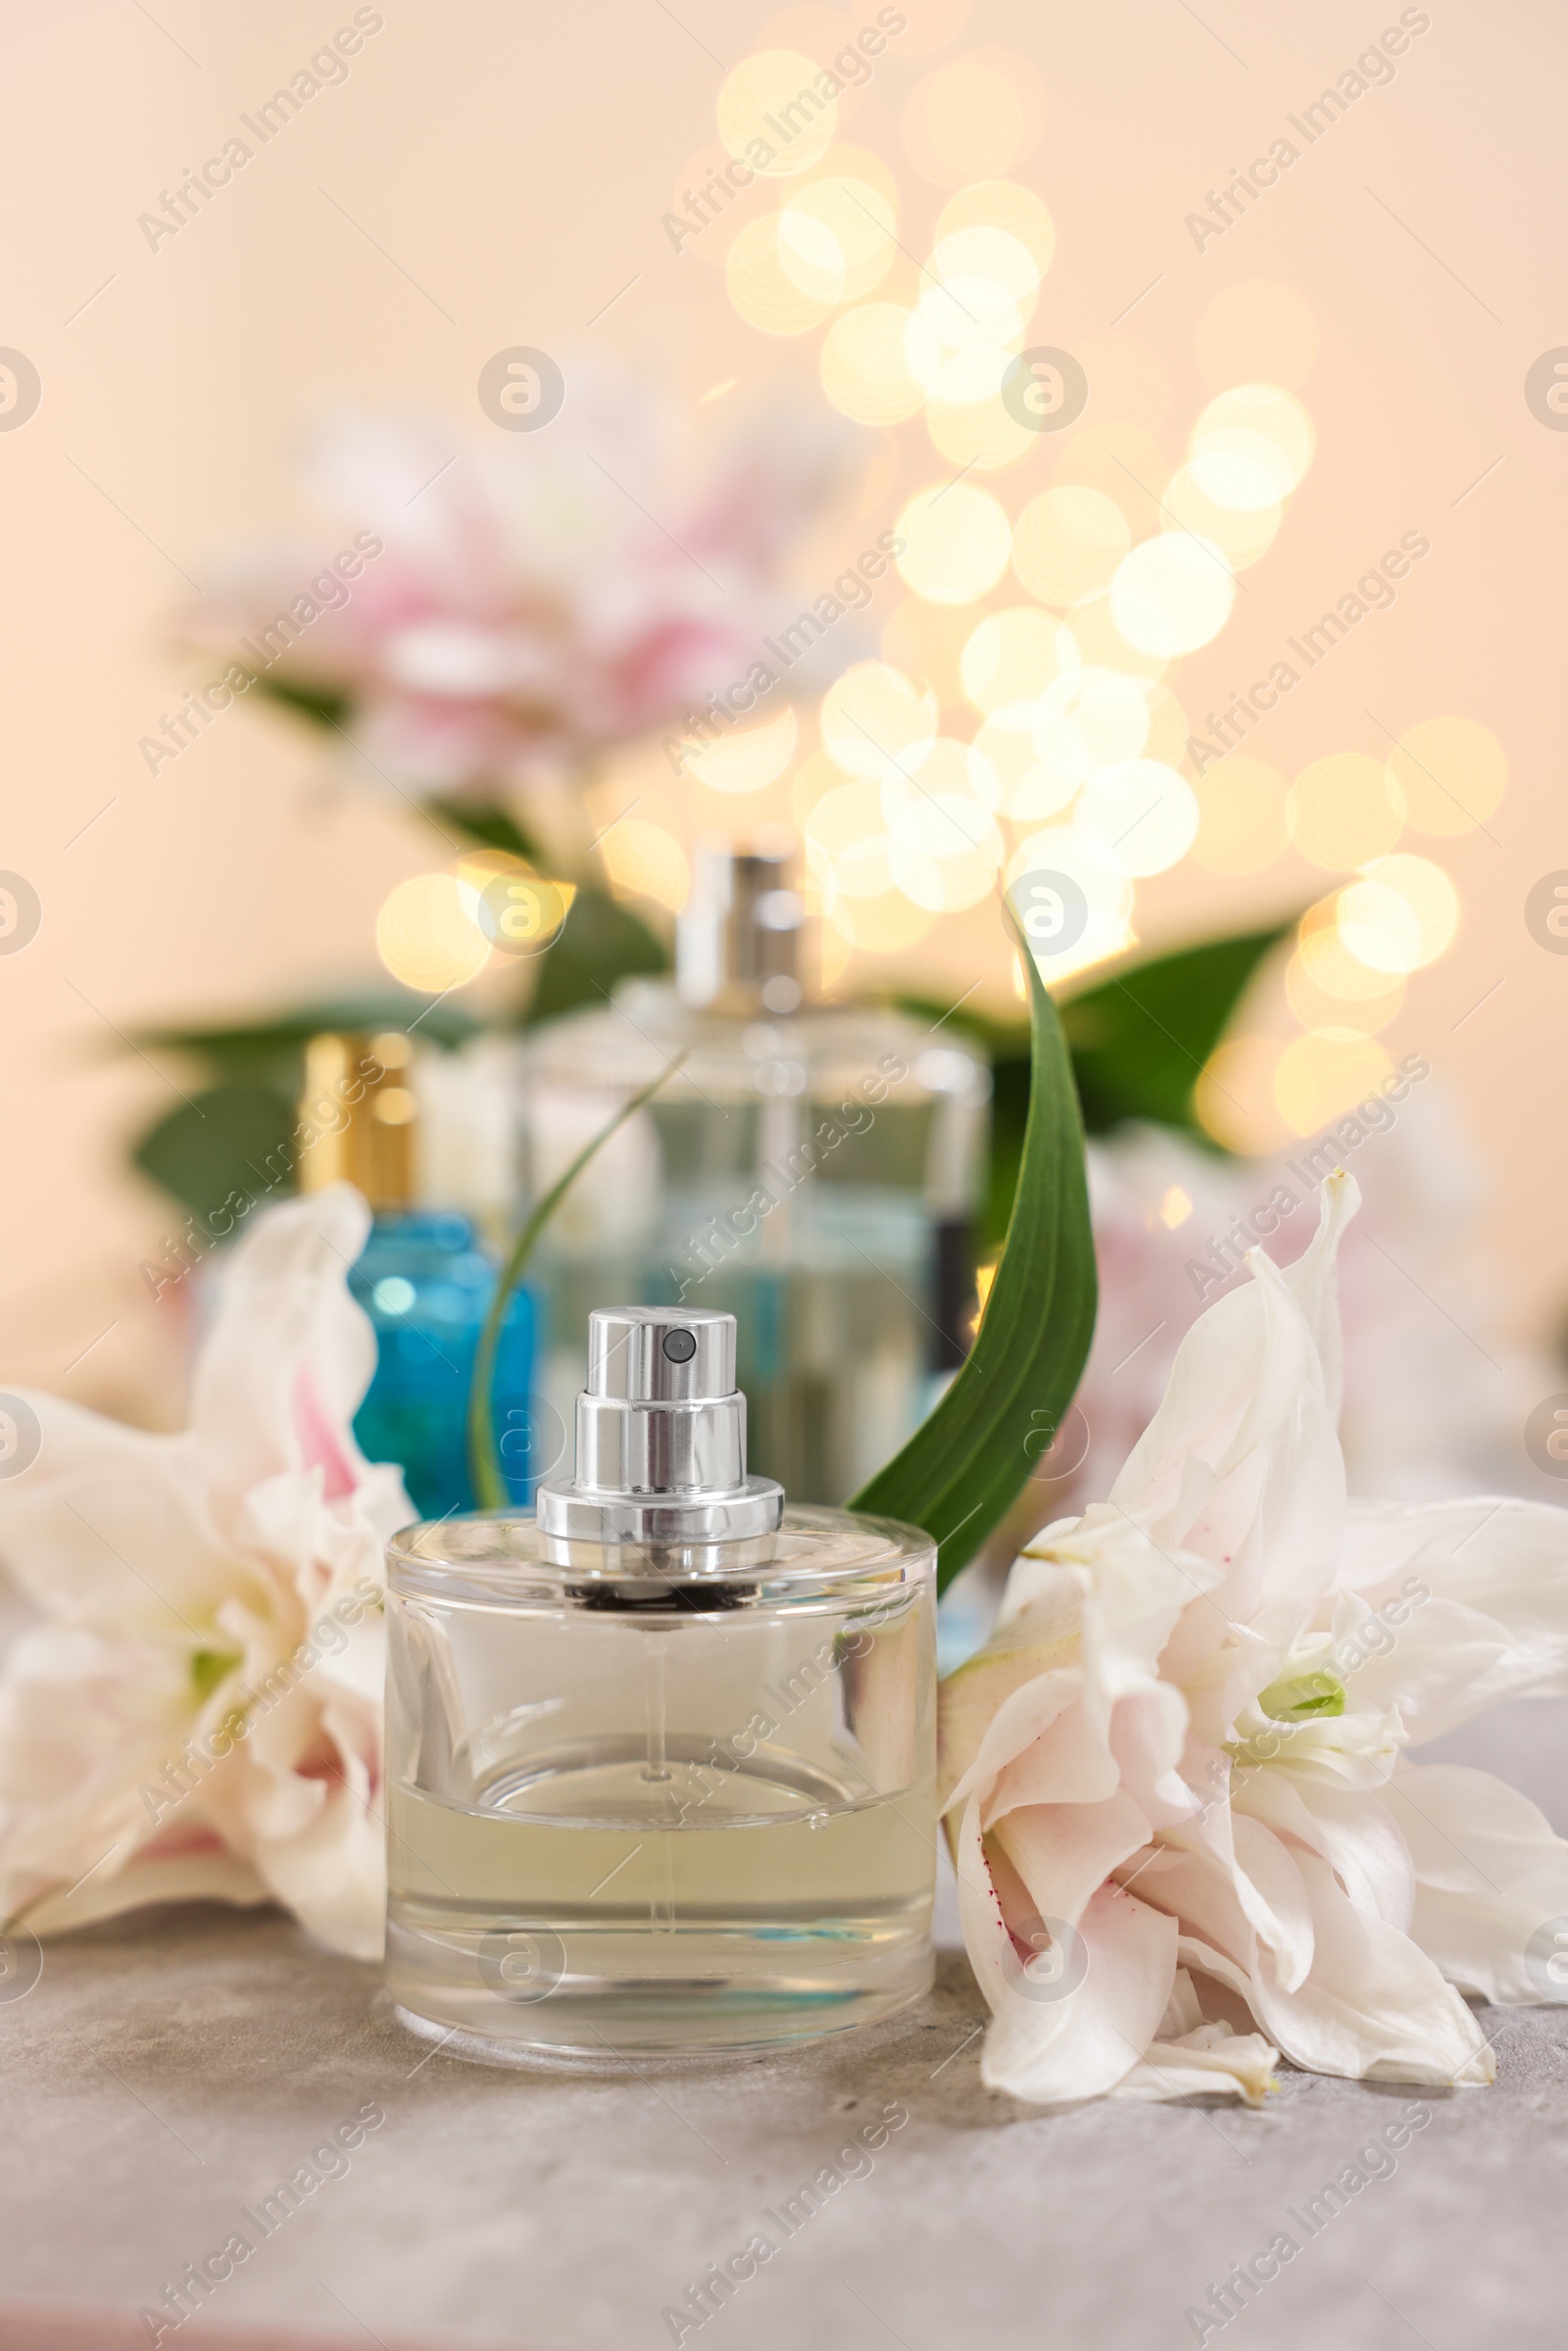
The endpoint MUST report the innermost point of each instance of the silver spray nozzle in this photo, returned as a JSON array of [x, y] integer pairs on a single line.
[[661, 1436]]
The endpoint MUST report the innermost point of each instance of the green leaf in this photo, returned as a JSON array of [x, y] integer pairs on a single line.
[[599, 943], [484, 1457], [322, 706], [1140, 1040], [487, 821], [966, 1464], [231, 1139]]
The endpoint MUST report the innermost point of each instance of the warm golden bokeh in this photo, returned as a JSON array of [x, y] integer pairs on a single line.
[[1323, 1072], [1172, 595], [427, 934], [1452, 773], [974, 119], [957, 542], [864, 365], [1343, 810], [776, 83], [765, 293], [875, 718], [1068, 544], [1401, 915]]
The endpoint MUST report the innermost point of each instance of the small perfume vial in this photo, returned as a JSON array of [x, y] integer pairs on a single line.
[[660, 1755]]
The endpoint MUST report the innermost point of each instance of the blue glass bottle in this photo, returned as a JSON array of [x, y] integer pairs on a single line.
[[425, 1279], [426, 1283]]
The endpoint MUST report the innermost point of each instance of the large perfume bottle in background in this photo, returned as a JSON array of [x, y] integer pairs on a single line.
[[811, 1168], [660, 1761], [425, 1279]]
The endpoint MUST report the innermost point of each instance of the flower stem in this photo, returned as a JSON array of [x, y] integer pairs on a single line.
[[484, 1459]]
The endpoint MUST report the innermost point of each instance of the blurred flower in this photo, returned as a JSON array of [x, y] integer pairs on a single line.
[[1434, 1394], [199, 1711], [1175, 1778], [536, 597]]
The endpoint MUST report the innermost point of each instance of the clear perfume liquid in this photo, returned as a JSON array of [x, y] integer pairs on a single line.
[[625, 1818], [604, 1903]]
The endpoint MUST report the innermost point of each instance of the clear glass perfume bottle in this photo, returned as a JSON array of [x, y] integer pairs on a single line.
[[661, 1759], [813, 1168], [425, 1280]]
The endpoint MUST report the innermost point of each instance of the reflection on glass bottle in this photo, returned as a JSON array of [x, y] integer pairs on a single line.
[[810, 1168], [425, 1280], [661, 1761]]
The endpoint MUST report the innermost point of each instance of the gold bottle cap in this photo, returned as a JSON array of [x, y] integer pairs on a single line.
[[359, 1102]]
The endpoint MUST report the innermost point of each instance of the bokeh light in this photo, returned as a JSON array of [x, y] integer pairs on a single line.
[[1240, 826], [1067, 850], [428, 936], [526, 914], [1002, 204], [1103, 646], [1241, 533], [1168, 727], [1257, 332], [1319, 1008], [1343, 810], [876, 722], [644, 860], [1014, 657], [984, 435], [973, 118], [776, 83], [946, 844], [1018, 779], [1109, 713], [970, 317], [1250, 446], [814, 777], [836, 239], [886, 925], [848, 843], [1452, 773], [1143, 813], [1329, 964], [1172, 594], [1402, 914], [1068, 544], [761, 289], [866, 373], [1325, 1072], [957, 542], [747, 760]]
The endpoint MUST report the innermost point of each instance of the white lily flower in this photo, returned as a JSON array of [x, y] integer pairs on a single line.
[[1176, 1778], [199, 1710]]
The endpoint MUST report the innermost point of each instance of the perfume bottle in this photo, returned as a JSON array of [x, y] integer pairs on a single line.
[[811, 1168], [661, 1758], [425, 1280]]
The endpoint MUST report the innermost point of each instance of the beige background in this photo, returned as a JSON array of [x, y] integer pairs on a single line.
[[507, 166]]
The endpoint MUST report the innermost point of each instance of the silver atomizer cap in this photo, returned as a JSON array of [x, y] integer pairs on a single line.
[[660, 1437]]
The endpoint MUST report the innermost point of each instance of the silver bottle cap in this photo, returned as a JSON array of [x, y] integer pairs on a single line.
[[660, 1437]]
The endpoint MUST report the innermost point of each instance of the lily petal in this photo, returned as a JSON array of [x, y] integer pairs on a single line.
[[1491, 1882]]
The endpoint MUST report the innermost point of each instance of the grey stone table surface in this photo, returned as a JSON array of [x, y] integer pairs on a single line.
[[168, 2069]]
